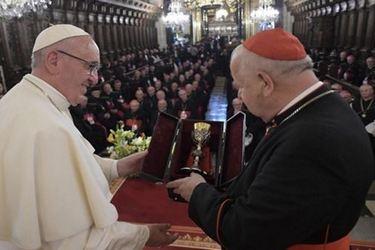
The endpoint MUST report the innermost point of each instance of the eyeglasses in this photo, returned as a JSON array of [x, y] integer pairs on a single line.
[[93, 67]]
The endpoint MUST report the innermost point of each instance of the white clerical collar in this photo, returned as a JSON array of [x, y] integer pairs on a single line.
[[306, 92], [55, 96]]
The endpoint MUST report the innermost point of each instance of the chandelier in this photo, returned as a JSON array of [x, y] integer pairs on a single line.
[[17, 8], [265, 14], [176, 17], [230, 5]]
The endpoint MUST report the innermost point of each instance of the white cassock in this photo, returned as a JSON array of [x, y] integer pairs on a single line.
[[54, 191]]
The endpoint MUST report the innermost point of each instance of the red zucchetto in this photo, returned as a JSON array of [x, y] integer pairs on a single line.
[[276, 44]]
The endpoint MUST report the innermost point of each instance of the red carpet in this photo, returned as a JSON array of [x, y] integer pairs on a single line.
[[142, 201]]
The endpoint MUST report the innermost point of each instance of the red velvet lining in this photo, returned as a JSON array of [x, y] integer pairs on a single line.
[[185, 146], [234, 148], [162, 139], [160, 146]]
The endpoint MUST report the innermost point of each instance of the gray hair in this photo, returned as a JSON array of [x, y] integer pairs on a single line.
[[37, 58]]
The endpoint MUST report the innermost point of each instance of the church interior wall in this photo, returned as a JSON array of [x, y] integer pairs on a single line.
[[117, 29], [133, 25], [340, 25]]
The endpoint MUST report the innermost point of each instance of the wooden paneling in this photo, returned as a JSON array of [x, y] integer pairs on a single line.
[[120, 33], [126, 35], [131, 34], [351, 29], [370, 29], [339, 24], [108, 40], [113, 27], [99, 38], [343, 29], [327, 31], [360, 29]]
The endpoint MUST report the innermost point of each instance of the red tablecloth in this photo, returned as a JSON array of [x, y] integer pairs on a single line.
[[142, 201]]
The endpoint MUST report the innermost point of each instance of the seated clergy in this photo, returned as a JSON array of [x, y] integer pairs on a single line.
[[87, 124], [365, 106], [184, 106], [134, 119]]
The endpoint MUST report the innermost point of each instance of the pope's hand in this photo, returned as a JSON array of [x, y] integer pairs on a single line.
[[131, 164], [159, 235], [186, 186]]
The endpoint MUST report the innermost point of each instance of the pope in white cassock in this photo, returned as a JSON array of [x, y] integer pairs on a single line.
[[54, 191]]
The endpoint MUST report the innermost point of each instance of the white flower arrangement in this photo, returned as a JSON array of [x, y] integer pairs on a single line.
[[125, 142]]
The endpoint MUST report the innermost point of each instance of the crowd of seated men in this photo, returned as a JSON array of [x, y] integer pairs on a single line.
[[134, 88], [362, 104], [345, 66], [345, 74]]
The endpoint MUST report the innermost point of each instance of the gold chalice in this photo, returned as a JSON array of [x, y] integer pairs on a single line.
[[200, 136]]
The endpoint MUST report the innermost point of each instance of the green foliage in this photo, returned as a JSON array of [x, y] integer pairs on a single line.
[[126, 142]]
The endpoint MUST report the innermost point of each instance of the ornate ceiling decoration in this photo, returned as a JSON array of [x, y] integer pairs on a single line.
[[230, 5], [133, 4]]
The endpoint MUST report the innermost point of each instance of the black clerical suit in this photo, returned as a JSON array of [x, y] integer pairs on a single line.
[[312, 170]]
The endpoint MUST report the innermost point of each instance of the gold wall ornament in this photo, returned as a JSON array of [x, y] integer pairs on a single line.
[[230, 5], [221, 14], [216, 17], [197, 25]]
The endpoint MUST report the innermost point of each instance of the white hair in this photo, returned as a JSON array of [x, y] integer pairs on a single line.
[[37, 58]]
